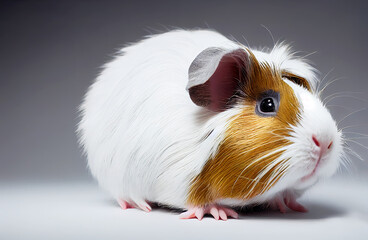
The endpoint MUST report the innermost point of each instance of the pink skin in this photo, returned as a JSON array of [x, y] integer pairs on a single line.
[[288, 200], [282, 202], [141, 205], [321, 149], [218, 212]]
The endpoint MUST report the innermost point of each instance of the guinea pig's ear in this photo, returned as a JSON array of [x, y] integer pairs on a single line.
[[215, 76]]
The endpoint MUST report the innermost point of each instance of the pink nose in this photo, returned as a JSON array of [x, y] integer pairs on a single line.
[[323, 145]]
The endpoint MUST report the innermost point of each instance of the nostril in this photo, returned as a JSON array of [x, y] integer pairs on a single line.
[[329, 145], [315, 141]]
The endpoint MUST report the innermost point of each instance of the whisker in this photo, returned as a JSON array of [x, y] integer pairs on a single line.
[[358, 143], [268, 30], [352, 138], [275, 175], [359, 110], [267, 169], [345, 162], [323, 79], [309, 54], [319, 93], [345, 96], [361, 134], [270, 166], [276, 151], [334, 94], [353, 153], [350, 126], [248, 45], [337, 93], [329, 106]]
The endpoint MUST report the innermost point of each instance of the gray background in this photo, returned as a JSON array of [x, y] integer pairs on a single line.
[[50, 51]]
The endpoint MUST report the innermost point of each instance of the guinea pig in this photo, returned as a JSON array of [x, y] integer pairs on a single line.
[[194, 121]]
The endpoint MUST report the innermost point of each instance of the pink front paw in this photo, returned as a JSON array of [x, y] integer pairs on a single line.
[[294, 205], [288, 200], [218, 212]]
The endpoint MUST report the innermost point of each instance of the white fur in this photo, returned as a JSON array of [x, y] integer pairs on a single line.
[[315, 120], [143, 136]]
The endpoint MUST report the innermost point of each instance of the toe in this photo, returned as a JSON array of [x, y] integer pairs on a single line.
[[231, 212], [124, 204], [214, 212], [280, 205], [199, 213], [218, 212], [188, 214], [222, 214], [144, 206], [295, 206]]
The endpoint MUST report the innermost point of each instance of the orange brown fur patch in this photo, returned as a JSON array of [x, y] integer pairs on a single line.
[[251, 143]]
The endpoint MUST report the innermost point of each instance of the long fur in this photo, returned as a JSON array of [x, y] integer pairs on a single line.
[[143, 136]]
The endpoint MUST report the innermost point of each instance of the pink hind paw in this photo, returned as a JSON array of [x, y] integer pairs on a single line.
[[141, 205], [124, 204], [218, 212]]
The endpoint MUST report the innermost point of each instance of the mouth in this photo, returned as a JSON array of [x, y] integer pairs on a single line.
[[310, 175]]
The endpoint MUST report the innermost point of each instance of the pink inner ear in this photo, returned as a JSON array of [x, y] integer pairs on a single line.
[[223, 83]]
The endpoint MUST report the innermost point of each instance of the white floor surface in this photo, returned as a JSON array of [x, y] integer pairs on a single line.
[[338, 209]]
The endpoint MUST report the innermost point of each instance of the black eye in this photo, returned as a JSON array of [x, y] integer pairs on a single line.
[[267, 105]]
